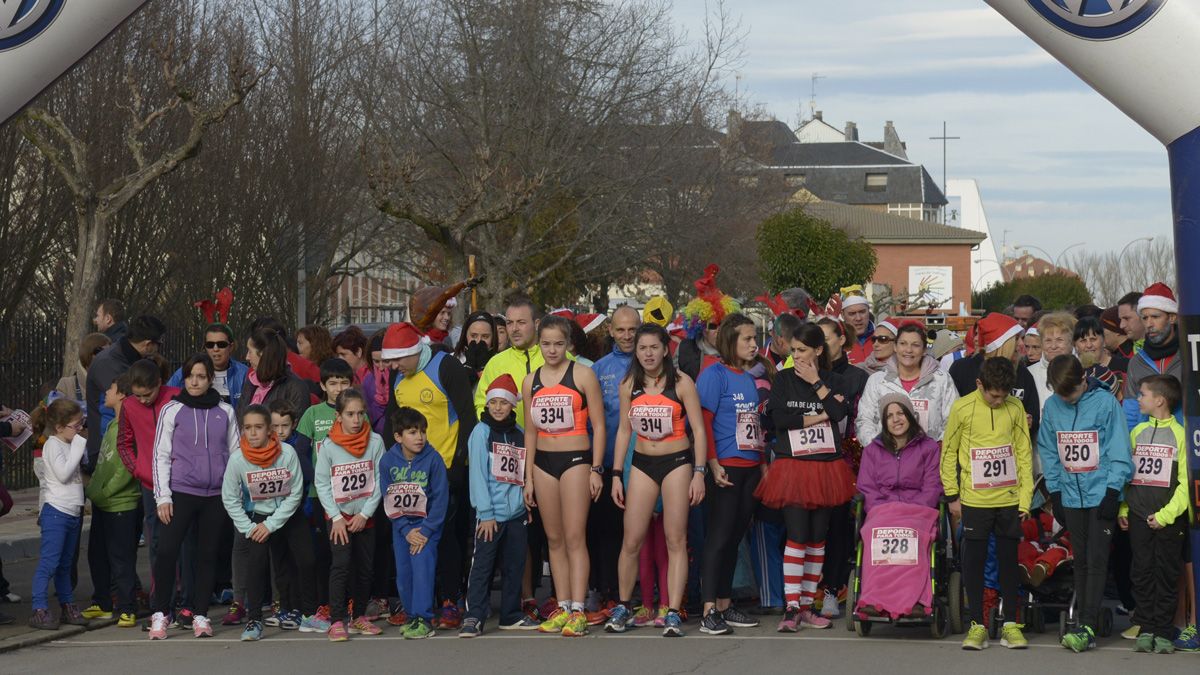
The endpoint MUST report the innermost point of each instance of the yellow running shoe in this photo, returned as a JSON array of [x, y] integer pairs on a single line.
[[556, 621], [127, 620], [1011, 636], [976, 638], [577, 625], [94, 612]]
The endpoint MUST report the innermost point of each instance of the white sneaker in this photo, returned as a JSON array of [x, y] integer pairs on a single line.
[[10, 597], [158, 626], [829, 606], [201, 626]]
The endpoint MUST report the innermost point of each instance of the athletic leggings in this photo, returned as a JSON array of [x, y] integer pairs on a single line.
[[804, 553], [727, 519], [208, 513], [839, 548]]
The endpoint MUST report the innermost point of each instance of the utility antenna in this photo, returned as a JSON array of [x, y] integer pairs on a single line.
[[944, 138], [812, 99]]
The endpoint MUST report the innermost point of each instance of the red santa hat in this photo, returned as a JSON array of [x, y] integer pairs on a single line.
[[564, 313], [401, 340], [1159, 296], [505, 388], [888, 325], [589, 322], [996, 329]]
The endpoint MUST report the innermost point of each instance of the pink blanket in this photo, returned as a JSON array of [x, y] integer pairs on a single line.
[[895, 564]]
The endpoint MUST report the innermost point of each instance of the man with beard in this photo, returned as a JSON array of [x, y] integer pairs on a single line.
[[1159, 313]]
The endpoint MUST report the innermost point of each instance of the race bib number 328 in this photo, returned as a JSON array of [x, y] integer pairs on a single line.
[[894, 546]]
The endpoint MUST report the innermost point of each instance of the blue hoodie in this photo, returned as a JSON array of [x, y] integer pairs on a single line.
[[610, 370], [236, 377], [426, 470], [1096, 411], [492, 499]]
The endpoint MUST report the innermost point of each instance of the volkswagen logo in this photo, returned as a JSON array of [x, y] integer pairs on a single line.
[[1097, 19], [23, 20]]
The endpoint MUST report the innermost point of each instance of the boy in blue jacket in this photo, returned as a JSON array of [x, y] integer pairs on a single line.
[[497, 475], [1084, 447], [415, 495]]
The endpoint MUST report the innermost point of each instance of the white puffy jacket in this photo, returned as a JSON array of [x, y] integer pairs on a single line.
[[932, 396]]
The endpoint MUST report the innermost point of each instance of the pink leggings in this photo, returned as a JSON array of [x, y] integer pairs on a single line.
[[652, 558]]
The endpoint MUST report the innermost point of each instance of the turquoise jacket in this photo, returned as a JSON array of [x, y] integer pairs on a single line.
[[1096, 411]]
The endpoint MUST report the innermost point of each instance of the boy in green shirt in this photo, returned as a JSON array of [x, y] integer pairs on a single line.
[[112, 541]]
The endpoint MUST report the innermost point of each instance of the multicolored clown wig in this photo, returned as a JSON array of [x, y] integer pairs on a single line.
[[709, 306]]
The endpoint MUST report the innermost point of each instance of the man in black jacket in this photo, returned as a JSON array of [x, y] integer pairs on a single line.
[[145, 334], [998, 336]]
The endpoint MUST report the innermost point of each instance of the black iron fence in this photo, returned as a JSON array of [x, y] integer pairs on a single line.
[[31, 364]]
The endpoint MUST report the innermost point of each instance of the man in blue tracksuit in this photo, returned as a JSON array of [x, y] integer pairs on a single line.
[[412, 481], [1084, 447]]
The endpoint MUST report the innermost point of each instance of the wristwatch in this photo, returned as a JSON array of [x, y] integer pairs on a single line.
[[700, 469], [598, 470], [817, 385]]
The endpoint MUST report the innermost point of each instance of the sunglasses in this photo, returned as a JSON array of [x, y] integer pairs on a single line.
[[219, 344], [883, 339]]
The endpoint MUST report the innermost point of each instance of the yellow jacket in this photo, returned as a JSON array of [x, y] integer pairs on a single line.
[[1171, 501], [516, 362], [993, 443]]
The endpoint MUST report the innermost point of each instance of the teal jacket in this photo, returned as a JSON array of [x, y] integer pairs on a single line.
[[492, 499], [330, 455], [235, 489], [1096, 411]]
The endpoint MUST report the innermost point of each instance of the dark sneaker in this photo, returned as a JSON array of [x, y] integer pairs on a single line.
[[525, 623], [183, 619], [619, 620], [471, 627], [42, 619], [738, 619], [72, 616], [714, 623], [673, 625]]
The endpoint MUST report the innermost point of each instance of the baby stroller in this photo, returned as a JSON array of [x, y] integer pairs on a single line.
[[946, 611]]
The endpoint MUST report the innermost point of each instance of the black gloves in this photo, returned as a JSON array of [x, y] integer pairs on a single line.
[[1057, 508], [1109, 505], [477, 354]]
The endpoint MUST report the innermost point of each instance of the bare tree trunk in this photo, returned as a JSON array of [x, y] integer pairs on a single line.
[[92, 243]]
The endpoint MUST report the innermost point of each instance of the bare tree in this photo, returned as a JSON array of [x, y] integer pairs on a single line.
[[1112, 274], [98, 199]]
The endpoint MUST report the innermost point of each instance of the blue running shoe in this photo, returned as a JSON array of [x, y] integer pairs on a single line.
[[618, 619], [673, 625], [290, 620], [253, 631], [276, 620], [1188, 640]]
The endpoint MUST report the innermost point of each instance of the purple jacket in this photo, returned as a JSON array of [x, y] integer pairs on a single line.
[[911, 476], [191, 449]]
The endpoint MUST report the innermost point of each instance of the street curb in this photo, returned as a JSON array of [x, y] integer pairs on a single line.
[[38, 637], [24, 547]]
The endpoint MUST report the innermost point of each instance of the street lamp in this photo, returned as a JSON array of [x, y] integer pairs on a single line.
[[975, 286], [1048, 255], [1064, 252], [1131, 243]]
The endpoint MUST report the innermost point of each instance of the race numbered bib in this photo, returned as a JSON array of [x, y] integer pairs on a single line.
[[1152, 465], [508, 463], [894, 546], [652, 422], [921, 408], [749, 432], [814, 440], [553, 414], [1079, 451], [993, 467], [269, 484], [405, 500], [353, 480]]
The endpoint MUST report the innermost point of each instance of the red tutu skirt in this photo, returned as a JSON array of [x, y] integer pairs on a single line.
[[806, 484]]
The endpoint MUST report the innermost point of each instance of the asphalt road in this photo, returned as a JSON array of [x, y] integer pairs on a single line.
[[888, 651]]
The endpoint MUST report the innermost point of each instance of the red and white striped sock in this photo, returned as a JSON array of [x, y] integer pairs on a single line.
[[814, 559], [793, 572]]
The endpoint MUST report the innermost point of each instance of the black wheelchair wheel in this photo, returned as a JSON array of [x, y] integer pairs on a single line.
[[940, 622], [993, 622], [955, 602]]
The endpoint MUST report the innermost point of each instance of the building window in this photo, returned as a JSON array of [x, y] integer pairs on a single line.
[[794, 179], [877, 182]]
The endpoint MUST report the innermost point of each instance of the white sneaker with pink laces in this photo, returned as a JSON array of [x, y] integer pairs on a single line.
[[158, 626], [201, 626], [810, 620]]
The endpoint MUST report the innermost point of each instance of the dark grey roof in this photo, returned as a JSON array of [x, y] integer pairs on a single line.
[[838, 172], [852, 153], [878, 227], [766, 134]]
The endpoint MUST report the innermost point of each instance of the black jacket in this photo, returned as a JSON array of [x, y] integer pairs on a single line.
[[793, 399], [964, 372], [106, 367]]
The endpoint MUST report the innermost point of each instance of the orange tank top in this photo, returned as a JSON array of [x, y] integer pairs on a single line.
[[657, 417], [558, 411]]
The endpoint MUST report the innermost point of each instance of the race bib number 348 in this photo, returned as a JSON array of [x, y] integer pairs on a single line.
[[993, 467], [894, 546]]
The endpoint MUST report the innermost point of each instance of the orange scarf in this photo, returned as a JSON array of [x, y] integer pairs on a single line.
[[355, 444], [264, 456]]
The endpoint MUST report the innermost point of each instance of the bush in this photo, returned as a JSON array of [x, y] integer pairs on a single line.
[[1055, 291], [797, 249]]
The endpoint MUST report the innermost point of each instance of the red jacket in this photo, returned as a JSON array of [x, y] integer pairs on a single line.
[[303, 368], [135, 435], [859, 352]]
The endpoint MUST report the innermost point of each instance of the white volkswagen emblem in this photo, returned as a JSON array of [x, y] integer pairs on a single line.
[[1097, 19], [23, 20]]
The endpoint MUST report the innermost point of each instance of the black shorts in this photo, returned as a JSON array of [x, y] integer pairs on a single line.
[[557, 462], [658, 467], [981, 522]]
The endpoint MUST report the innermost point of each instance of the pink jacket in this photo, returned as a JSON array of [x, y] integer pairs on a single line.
[[135, 435]]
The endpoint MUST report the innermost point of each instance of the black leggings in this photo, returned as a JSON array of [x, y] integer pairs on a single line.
[[727, 519], [806, 526], [208, 513], [289, 549], [978, 524], [839, 547], [350, 573]]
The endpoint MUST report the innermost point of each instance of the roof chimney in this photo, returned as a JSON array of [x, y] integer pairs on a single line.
[[734, 124], [851, 132], [820, 115], [891, 141]]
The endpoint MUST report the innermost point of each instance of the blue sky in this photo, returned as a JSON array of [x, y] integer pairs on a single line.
[[1056, 163]]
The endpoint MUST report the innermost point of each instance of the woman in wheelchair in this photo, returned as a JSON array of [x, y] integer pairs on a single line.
[[900, 483]]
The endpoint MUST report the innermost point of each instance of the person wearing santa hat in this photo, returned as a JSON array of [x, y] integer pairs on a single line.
[[1159, 354], [439, 387], [996, 335], [882, 347], [856, 311]]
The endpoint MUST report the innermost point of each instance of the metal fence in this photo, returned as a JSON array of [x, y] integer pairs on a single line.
[[31, 364]]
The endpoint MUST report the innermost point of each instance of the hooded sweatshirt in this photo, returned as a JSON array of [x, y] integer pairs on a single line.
[[987, 459], [244, 477], [908, 476], [358, 478], [192, 446], [610, 370], [932, 397], [491, 440], [1084, 447], [424, 475]]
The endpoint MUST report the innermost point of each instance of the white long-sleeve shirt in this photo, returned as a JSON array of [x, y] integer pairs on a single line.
[[62, 483]]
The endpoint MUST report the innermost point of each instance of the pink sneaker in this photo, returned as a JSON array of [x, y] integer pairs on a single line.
[[236, 615], [362, 626], [201, 626], [790, 621], [810, 620], [337, 632], [158, 626]]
